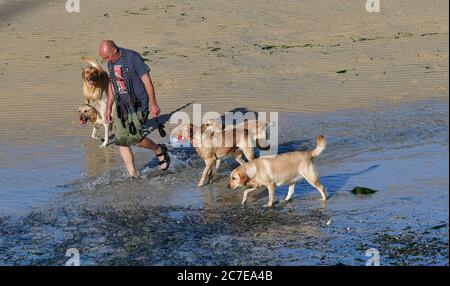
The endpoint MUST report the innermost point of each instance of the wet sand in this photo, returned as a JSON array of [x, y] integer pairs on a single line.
[[375, 84], [167, 220]]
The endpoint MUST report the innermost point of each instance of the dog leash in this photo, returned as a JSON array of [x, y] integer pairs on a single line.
[[161, 130]]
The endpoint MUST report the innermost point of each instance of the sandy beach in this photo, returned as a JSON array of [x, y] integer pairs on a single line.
[[197, 54], [376, 84]]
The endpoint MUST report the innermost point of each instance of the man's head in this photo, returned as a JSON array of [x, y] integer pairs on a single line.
[[109, 51]]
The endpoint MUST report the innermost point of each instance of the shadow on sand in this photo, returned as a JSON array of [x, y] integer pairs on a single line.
[[334, 183]]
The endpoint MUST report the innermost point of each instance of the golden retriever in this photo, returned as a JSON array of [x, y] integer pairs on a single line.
[[95, 81], [212, 145], [284, 169], [257, 130]]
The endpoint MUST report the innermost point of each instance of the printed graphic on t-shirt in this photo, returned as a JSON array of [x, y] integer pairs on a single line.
[[119, 78]]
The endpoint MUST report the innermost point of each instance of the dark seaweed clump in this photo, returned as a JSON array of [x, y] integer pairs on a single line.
[[363, 191]]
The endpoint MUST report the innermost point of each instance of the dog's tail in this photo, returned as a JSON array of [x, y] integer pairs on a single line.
[[320, 146], [92, 62]]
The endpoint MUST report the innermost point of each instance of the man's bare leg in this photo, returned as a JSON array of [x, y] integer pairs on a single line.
[[128, 159], [149, 144]]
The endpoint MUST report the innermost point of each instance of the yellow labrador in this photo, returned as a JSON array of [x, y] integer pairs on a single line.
[[284, 169], [94, 112], [257, 129]]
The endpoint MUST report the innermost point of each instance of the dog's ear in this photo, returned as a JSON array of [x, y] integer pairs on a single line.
[[191, 130], [82, 73], [243, 178], [93, 114]]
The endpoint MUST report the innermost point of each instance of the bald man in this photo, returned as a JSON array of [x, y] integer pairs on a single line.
[[131, 88]]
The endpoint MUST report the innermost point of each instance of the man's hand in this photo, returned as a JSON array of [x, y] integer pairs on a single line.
[[109, 104], [108, 116], [154, 110]]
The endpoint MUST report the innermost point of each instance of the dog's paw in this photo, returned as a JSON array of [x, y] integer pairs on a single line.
[[267, 205], [103, 145], [243, 201]]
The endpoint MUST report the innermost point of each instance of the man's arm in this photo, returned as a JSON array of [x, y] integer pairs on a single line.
[[151, 94], [109, 103]]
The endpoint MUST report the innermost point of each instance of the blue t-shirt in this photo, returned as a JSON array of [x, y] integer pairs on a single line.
[[137, 68]]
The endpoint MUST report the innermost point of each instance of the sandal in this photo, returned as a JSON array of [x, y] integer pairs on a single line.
[[166, 158]]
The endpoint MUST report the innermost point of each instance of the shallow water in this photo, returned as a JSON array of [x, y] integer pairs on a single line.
[[164, 219]]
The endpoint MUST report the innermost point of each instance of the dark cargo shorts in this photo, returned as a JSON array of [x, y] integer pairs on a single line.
[[132, 133]]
